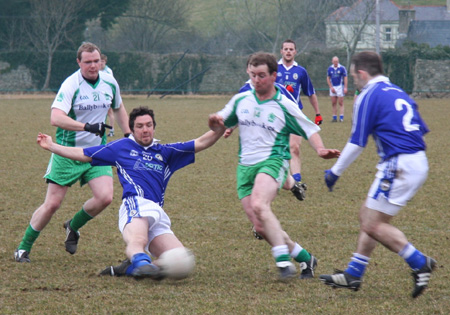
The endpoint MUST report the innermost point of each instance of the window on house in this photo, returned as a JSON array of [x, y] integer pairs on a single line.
[[388, 34]]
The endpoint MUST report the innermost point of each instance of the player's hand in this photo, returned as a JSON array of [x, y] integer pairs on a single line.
[[215, 122], [228, 132], [98, 128], [290, 88], [45, 141], [319, 119], [330, 179]]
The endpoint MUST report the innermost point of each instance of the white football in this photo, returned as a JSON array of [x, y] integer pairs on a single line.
[[177, 263]]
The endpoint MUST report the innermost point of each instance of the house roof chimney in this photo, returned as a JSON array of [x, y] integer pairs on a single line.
[[405, 16]]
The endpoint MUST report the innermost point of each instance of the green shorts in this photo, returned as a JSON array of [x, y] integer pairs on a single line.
[[66, 172], [246, 174]]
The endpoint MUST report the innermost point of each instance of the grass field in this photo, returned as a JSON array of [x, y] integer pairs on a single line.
[[235, 273]]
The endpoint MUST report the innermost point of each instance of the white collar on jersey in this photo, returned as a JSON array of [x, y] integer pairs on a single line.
[[379, 78], [280, 62], [339, 65], [155, 141]]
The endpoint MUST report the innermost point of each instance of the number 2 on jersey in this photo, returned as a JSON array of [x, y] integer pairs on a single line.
[[408, 116]]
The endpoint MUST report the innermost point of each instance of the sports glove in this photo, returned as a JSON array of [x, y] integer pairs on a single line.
[[290, 88], [330, 179], [319, 119], [98, 128]]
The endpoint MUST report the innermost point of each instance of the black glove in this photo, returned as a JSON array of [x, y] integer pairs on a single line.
[[97, 128]]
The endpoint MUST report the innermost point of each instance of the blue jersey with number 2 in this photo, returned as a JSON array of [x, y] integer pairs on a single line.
[[386, 112]]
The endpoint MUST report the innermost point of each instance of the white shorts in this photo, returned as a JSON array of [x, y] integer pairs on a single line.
[[138, 207], [339, 91], [397, 181]]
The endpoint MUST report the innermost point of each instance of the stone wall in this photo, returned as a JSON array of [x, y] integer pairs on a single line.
[[431, 78], [226, 74], [19, 79]]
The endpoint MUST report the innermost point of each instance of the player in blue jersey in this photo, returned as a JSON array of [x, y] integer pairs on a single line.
[[144, 167], [387, 113], [337, 82], [295, 78]]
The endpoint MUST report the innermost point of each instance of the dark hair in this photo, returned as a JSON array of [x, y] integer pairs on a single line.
[[288, 41], [140, 111], [368, 61], [262, 58], [87, 47]]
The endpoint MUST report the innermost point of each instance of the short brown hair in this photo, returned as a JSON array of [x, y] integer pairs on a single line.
[[87, 47], [368, 61], [140, 111], [262, 58], [288, 41]]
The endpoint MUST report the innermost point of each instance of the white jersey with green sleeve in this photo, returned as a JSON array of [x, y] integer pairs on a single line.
[[86, 103], [265, 126]]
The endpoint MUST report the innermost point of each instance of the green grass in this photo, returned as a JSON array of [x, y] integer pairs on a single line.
[[420, 2], [235, 273]]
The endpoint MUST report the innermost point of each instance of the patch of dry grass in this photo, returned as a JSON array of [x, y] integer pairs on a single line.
[[235, 273]]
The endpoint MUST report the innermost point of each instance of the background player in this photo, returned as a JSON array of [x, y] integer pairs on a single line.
[[79, 113], [391, 116], [104, 67], [337, 82], [296, 78]]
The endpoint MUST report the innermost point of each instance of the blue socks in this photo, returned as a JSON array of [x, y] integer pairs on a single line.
[[139, 259], [414, 258], [297, 177], [357, 266]]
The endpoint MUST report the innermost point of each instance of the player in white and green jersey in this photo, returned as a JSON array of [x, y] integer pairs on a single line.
[[79, 113], [266, 118], [85, 102]]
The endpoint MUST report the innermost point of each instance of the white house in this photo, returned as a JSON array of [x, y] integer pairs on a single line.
[[356, 24]]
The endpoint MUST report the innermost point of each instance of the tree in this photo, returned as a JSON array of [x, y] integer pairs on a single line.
[[147, 23], [52, 23], [13, 18], [55, 24], [349, 34], [264, 25]]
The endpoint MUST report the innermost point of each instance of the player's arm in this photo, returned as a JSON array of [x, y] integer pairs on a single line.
[[316, 143], [314, 103], [349, 155], [59, 118], [122, 118], [329, 84], [209, 138], [73, 153], [345, 84]]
